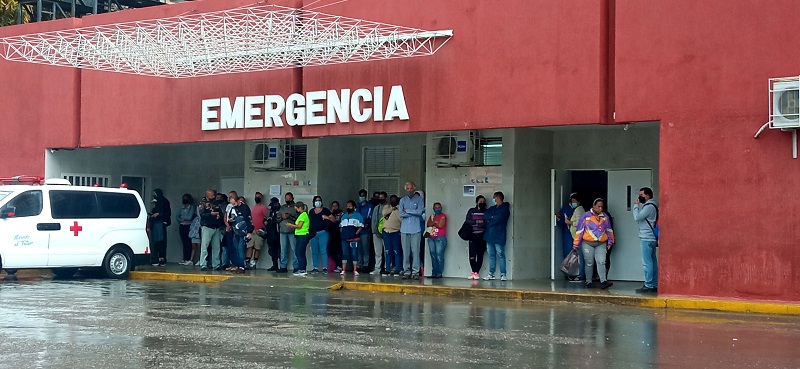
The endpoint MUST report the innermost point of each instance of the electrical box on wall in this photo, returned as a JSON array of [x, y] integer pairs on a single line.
[[785, 102], [268, 155], [455, 149]]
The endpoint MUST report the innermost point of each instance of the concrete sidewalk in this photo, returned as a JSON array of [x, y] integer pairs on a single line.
[[622, 293]]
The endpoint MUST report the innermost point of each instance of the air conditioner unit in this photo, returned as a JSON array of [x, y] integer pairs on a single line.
[[455, 149], [268, 155], [785, 102]]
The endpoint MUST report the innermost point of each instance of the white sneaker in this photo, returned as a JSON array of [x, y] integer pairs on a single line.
[[196, 264], [252, 264], [503, 277], [374, 272], [489, 277]]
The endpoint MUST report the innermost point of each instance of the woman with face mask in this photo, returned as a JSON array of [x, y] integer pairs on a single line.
[[437, 239], [334, 241], [184, 219], [477, 245], [321, 219], [568, 217], [595, 238]]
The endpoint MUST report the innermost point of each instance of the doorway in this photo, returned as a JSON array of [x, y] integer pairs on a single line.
[[618, 188]]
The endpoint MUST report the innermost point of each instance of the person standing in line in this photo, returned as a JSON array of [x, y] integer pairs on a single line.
[[224, 235], [496, 218], [210, 222], [184, 219], [302, 227], [411, 209], [320, 224], [437, 240], [288, 240], [577, 212], [272, 233], [645, 213], [351, 225], [256, 242], [595, 236], [391, 237], [242, 226], [229, 248], [161, 218], [335, 241], [364, 208], [477, 245], [377, 237], [194, 234]]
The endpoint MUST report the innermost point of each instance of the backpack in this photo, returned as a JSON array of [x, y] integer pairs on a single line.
[[654, 226], [239, 226]]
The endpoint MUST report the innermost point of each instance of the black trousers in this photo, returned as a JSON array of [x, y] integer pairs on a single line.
[[477, 248], [186, 241], [274, 248]]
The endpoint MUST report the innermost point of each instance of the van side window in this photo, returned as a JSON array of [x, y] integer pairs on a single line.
[[73, 204], [118, 205], [27, 204]]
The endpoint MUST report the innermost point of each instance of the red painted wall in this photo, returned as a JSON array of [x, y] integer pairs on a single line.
[[512, 63], [727, 199], [39, 107]]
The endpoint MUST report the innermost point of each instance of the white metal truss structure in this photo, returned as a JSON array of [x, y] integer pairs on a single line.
[[246, 39]]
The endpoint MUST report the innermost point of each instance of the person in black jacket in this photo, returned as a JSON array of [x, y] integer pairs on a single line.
[[271, 233], [160, 219], [241, 223]]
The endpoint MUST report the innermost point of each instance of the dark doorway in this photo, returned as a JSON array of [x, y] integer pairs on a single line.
[[590, 185]]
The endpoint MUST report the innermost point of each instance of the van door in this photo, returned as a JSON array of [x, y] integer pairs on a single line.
[[25, 231], [76, 243]]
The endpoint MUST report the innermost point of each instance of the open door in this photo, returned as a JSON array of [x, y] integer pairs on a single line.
[[560, 181], [623, 188]]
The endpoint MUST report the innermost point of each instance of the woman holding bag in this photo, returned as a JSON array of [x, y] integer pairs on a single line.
[[437, 239]]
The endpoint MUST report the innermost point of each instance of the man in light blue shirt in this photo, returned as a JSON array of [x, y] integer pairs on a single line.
[[410, 209]]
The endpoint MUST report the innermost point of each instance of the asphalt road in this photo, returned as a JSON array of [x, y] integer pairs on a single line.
[[95, 323]]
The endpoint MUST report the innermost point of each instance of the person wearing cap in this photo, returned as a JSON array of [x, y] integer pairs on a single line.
[[595, 236]]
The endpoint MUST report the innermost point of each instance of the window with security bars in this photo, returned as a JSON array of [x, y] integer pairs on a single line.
[[295, 157], [491, 151], [390, 185], [87, 179], [381, 161]]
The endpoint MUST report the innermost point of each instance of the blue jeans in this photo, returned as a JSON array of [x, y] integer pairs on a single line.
[[650, 262], [237, 251], [287, 248], [227, 243], [496, 251], [319, 250], [394, 251], [350, 253], [436, 247], [300, 249]]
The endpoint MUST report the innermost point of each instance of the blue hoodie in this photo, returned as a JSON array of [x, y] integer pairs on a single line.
[[496, 220]]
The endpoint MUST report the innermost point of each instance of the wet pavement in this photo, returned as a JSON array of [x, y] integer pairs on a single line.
[[283, 323]]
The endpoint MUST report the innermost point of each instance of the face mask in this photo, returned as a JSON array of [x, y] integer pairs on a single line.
[[410, 193], [494, 202], [573, 205], [437, 212], [381, 201], [642, 200], [258, 200], [362, 199], [394, 203], [289, 202], [350, 211], [185, 202], [318, 204], [481, 205]]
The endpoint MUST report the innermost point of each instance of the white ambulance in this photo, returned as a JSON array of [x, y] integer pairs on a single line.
[[63, 227]]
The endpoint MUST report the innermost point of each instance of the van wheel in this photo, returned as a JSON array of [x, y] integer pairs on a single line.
[[65, 272], [11, 271], [117, 263]]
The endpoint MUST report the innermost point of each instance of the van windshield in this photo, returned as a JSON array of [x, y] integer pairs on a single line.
[[4, 194]]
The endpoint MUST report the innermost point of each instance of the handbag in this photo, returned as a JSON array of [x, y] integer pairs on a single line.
[[428, 232], [571, 265], [465, 232]]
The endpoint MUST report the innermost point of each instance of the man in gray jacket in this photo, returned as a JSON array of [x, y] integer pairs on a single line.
[[377, 237], [645, 213], [287, 215]]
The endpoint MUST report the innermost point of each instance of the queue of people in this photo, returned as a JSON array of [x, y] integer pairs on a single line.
[[222, 232]]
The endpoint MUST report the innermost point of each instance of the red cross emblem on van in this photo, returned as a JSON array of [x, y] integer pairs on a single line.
[[75, 228]]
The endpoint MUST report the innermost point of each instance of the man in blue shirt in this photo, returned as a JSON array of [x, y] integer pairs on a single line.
[[410, 209], [496, 218], [364, 208]]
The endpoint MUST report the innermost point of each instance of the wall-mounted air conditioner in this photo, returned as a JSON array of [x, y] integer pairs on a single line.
[[785, 102], [455, 149], [268, 155]]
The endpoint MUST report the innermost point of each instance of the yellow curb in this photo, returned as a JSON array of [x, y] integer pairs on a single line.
[[527, 295], [162, 276]]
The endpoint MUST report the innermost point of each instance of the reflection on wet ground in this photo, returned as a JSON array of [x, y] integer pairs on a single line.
[[249, 324]]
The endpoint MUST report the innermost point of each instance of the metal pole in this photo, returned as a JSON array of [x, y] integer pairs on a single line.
[[73, 8], [794, 143], [38, 10], [19, 13], [94, 6], [53, 15]]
